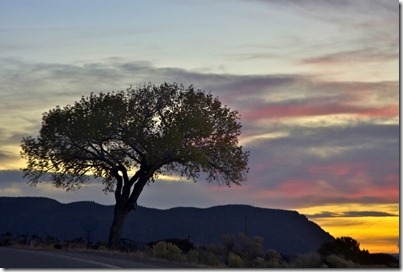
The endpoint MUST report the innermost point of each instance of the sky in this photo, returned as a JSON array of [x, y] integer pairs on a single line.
[[316, 83]]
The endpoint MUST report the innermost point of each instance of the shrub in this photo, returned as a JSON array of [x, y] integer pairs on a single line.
[[6, 239], [235, 261], [209, 256], [259, 262], [74, 243], [167, 251], [383, 259], [128, 245], [275, 259], [247, 248], [192, 256], [228, 243], [21, 239], [349, 249], [102, 248], [184, 244], [307, 261], [58, 246], [335, 261]]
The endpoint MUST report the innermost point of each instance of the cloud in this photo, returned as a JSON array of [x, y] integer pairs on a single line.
[[10, 176], [326, 214], [367, 213], [318, 98], [12, 183], [6, 156], [314, 109], [311, 141], [339, 11], [353, 56]]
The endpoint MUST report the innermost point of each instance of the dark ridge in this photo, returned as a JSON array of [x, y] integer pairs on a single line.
[[285, 231]]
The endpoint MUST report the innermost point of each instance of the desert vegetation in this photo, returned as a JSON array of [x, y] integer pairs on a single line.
[[233, 251]]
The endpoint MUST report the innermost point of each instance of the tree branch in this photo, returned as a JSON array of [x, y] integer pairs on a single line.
[[119, 179], [143, 175]]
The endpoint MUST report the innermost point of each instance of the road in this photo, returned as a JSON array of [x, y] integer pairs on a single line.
[[34, 258]]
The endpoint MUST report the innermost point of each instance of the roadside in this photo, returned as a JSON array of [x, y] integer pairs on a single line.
[[18, 257]]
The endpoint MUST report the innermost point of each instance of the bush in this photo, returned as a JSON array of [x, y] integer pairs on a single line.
[[234, 261], [349, 249], [167, 251], [275, 259], [307, 261], [335, 261], [259, 262], [6, 239], [247, 248], [102, 248], [184, 244], [58, 246], [210, 257], [383, 259], [343, 246], [128, 245], [192, 256]]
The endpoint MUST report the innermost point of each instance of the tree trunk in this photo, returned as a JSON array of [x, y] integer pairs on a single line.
[[124, 204], [115, 234]]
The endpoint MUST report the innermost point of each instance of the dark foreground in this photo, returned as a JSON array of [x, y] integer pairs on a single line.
[[35, 258]]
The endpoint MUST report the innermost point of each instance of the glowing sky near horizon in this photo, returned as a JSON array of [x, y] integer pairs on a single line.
[[315, 81]]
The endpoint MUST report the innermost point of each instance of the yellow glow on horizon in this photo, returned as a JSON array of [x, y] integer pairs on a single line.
[[374, 233], [14, 162], [389, 208]]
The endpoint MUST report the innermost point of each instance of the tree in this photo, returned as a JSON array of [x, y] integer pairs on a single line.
[[143, 131], [343, 246], [349, 248]]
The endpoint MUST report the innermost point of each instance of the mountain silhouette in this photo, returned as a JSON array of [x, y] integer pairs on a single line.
[[285, 231]]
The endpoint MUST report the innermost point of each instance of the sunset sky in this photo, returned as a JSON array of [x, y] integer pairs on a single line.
[[316, 83]]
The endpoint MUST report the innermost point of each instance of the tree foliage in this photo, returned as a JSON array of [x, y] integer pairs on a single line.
[[345, 246], [349, 249], [149, 130]]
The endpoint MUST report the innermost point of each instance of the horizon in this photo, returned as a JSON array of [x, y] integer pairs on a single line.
[[310, 217], [316, 84], [203, 208]]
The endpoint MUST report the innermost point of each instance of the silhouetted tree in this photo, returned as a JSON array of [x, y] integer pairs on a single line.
[[345, 246], [149, 130], [349, 248]]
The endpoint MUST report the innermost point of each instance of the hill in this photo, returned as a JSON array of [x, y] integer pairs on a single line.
[[285, 231]]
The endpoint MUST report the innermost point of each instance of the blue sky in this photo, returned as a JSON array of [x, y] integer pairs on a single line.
[[316, 83]]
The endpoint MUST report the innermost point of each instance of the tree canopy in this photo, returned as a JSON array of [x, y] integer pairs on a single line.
[[157, 129]]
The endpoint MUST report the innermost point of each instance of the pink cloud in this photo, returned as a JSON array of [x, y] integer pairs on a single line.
[[327, 190], [308, 109], [341, 169]]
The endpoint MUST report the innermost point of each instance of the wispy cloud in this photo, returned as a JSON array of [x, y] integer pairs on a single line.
[[361, 56], [350, 214], [6, 156], [336, 11]]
